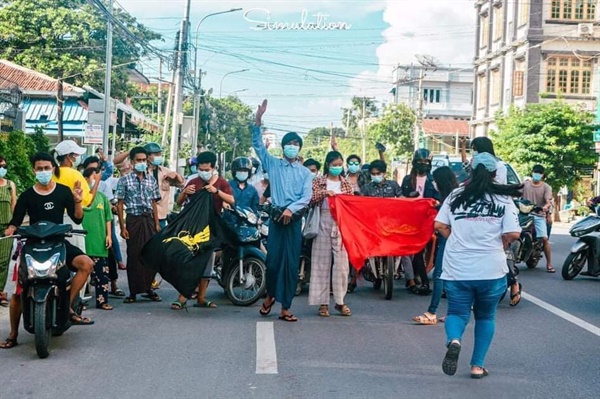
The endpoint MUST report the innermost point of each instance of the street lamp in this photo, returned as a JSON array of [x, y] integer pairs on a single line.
[[227, 74], [237, 91], [197, 88]]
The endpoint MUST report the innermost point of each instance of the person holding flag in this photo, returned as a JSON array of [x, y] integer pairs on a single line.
[[291, 191]]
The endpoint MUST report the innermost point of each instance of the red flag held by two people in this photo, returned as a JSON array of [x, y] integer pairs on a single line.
[[373, 226]]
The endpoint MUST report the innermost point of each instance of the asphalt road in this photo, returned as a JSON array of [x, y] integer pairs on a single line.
[[146, 350]]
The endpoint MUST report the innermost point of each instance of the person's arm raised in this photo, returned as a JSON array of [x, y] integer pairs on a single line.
[[257, 143]]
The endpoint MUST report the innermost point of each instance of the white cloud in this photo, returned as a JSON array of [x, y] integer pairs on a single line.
[[444, 29]]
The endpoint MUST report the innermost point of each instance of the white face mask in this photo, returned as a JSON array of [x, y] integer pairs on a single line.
[[92, 184]]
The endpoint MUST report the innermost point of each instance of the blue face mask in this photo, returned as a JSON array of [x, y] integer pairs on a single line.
[[193, 168], [241, 176], [44, 177], [377, 178], [206, 176], [353, 168], [157, 161], [141, 167], [3, 172], [291, 151], [336, 170], [537, 177]]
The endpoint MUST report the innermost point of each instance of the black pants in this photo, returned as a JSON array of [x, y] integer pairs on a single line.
[[419, 267], [101, 281], [113, 274]]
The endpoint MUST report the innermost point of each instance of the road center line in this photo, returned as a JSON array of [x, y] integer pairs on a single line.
[[266, 352], [561, 313]]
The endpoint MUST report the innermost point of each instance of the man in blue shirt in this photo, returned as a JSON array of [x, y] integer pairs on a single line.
[[291, 190], [245, 194]]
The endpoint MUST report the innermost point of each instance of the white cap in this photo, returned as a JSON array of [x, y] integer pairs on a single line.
[[69, 147]]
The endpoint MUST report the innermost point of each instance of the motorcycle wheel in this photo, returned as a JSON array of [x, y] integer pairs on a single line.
[[388, 280], [533, 261], [248, 292], [42, 329], [574, 265]]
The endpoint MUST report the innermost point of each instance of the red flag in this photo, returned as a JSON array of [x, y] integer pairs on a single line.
[[373, 226]]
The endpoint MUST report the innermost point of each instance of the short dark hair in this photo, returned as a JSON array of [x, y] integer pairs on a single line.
[[379, 165], [312, 162], [207, 157], [353, 156], [44, 156], [538, 169], [87, 172], [89, 160], [137, 150]]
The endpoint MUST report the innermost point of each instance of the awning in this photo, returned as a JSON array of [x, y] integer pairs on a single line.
[[43, 112]]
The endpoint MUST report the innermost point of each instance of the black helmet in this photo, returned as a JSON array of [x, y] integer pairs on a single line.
[[241, 163], [255, 163], [422, 154]]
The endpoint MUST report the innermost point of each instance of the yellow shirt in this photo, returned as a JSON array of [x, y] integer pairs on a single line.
[[68, 177]]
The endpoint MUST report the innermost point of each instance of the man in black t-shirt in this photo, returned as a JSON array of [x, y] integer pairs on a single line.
[[48, 201]]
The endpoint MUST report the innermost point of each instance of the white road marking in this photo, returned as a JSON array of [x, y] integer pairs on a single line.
[[266, 352], [561, 313]]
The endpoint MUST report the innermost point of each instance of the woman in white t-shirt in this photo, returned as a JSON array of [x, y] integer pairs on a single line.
[[480, 221], [328, 242]]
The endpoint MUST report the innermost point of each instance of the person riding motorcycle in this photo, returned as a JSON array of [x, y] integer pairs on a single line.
[[245, 195]]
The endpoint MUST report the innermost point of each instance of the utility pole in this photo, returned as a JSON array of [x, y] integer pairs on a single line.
[[348, 121], [196, 118], [107, 77], [168, 111], [59, 110], [159, 111], [364, 129], [396, 97], [419, 119], [178, 90]]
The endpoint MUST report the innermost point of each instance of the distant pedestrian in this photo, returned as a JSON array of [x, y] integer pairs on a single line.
[[8, 199], [480, 221], [291, 190]]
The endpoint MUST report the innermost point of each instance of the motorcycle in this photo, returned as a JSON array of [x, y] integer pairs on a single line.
[[381, 271], [304, 269], [527, 248], [241, 267], [585, 250], [46, 282]]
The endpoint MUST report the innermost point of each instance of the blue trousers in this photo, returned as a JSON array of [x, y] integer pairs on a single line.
[[484, 296], [438, 284], [116, 247], [283, 258]]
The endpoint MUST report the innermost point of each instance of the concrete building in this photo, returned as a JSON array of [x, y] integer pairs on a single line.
[[530, 51], [447, 95]]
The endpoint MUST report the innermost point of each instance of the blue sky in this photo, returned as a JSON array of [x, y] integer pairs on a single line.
[[309, 76]]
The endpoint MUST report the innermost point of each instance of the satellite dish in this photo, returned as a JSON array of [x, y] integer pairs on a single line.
[[428, 61]]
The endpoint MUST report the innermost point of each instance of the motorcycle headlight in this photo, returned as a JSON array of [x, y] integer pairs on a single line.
[[45, 269]]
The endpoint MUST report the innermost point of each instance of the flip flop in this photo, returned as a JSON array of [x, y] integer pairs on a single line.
[[118, 293], [77, 320], [289, 318], [425, 319], [265, 310], [9, 343], [207, 304], [479, 376], [513, 296], [551, 270], [178, 305]]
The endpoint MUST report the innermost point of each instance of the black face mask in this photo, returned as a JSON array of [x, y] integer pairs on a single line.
[[422, 169]]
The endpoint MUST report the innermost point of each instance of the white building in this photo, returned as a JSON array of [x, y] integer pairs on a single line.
[[530, 51]]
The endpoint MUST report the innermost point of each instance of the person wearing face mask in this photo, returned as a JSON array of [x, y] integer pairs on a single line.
[[166, 179], [47, 201], [221, 191], [244, 194], [8, 200], [291, 190], [327, 245], [138, 191], [379, 185], [314, 166], [539, 193]]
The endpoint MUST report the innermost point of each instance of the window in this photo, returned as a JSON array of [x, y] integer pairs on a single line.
[[519, 79], [524, 12], [485, 31], [498, 23], [432, 95], [496, 82], [568, 75], [575, 10], [483, 91]]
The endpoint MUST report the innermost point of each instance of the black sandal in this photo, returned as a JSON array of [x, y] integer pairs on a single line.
[[154, 297], [9, 343], [130, 299], [78, 320], [265, 310], [288, 317], [179, 305], [516, 294], [424, 290]]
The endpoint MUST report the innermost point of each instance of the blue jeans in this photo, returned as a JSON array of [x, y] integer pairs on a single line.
[[438, 285], [115, 241], [484, 296]]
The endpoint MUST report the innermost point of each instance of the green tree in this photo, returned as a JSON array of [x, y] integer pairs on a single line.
[[556, 135], [40, 140], [352, 116], [67, 39], [17, 148], [395, 129], [317, 142]]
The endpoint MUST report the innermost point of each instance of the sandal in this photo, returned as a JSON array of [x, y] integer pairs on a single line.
[[343, 309], [207, 304], [414, 289], [424, 290], [130, 299], [4, 300], [288, 317], [9, 343], [516, 294], [324, 311], [426, 319], [118, 292], [78, 320], [153, 296], [264, 309], [179, 305], [550, 269], [105, 306], [480, 375]]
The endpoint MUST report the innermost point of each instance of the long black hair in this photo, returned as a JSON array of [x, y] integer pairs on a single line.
[[331, 156], [483, 144], [482, 184], [445, 180]]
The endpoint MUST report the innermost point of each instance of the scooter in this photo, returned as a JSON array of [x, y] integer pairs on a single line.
[[528, 248], [585, 250], [241, 268], [46, 282]]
